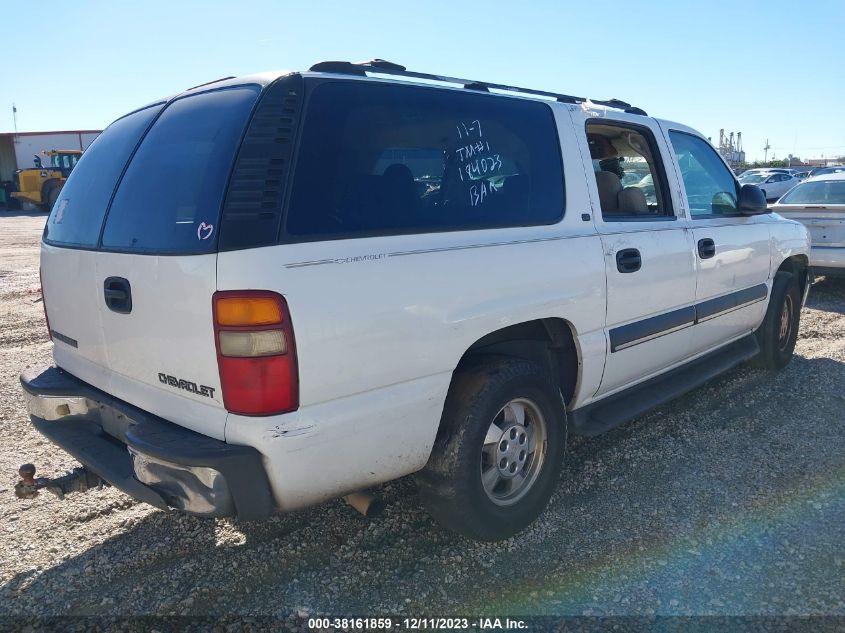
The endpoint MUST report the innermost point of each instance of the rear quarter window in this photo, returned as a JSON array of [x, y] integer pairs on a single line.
[[379, 159], [77, 217], [170, 197]]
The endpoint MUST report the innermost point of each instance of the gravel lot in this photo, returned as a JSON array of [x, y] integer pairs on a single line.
[[730, 500]]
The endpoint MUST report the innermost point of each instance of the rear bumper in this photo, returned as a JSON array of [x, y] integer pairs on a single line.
[[828, 260], [146, 457]]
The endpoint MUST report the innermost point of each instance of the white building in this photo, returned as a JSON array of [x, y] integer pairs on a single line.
[[18, 150]]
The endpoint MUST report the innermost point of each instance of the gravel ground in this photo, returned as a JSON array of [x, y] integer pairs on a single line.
[[728, 501]]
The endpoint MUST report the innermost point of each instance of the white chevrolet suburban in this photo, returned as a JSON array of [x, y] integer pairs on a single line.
[[271, 291]]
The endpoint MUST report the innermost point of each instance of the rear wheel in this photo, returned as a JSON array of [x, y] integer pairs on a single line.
[[498, 455], [779, 332]]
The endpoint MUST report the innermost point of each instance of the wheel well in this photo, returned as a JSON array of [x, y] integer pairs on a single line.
[[797, 265], [549, 342]]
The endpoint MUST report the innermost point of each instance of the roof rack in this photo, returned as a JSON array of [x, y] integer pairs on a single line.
[[208, 83], [383, 67]]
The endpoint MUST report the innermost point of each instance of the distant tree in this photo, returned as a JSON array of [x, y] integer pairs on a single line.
[[758, 164]]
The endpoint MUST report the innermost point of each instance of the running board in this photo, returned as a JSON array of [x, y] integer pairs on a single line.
[[619, 408]]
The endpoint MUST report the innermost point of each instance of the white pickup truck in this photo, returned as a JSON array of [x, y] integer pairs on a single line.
[[271, 291]]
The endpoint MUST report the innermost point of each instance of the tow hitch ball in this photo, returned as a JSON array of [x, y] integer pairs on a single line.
[[77, 480]]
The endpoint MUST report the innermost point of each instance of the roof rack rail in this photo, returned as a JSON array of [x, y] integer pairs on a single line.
[[208, 83], [383, 67]]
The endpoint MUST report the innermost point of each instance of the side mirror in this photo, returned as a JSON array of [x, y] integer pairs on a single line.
[[751, 201]]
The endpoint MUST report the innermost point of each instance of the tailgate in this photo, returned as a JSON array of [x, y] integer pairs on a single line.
[[825, 223], [826, 232], [137, 299]]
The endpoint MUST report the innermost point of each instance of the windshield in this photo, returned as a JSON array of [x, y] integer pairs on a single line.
[[819, 192], [752, 178]]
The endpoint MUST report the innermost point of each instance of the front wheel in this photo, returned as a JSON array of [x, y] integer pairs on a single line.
[[498, 454], [52, 196], [779, 332]]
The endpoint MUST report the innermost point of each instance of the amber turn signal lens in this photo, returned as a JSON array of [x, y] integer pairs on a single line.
[[248, 311]]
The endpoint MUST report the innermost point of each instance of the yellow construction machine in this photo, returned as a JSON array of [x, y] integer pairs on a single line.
[[40, 186]]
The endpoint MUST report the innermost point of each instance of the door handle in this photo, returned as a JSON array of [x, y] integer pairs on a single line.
[[114, 294], [628, 260], [706, 248], [118, 295]]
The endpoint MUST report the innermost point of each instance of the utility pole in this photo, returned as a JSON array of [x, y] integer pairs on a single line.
[[766, 151], [15, 118]]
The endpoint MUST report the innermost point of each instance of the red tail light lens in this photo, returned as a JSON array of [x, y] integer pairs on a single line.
[[256, 353]]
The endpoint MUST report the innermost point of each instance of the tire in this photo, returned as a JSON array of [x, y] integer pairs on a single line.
[[779, 332], [463, 486], [52, 196]]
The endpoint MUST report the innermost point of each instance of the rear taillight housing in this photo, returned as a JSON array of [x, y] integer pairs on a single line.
[[256, 352]]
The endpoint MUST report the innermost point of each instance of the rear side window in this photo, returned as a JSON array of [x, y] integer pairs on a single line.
[[381, 159], [170, 197], [629, 173], [77, 217]]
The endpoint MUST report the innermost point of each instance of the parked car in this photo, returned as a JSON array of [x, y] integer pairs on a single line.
[[647, 185], [772, 183], [821, 171], [819, 204], [271, 291], [762, 170]]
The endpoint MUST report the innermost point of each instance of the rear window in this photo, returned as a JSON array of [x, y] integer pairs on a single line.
[[170, 197], [381, 159], [819, 192], [78, 214]]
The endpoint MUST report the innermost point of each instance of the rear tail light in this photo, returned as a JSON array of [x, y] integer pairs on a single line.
[[44, 304], [256, 353]]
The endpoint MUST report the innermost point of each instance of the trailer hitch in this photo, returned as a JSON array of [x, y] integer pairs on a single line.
[[76, 480]]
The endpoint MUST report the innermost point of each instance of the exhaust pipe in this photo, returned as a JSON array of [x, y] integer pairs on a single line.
[[367, 504]]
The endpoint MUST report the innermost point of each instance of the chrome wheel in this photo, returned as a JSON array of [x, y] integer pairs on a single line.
[[785, 331], [513, 452]]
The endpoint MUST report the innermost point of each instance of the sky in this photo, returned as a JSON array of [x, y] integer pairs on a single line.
[[772, 70]]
